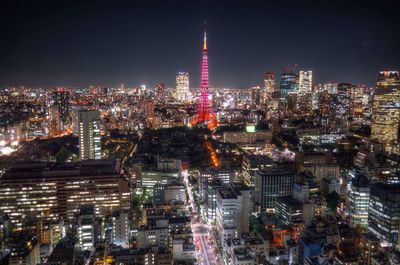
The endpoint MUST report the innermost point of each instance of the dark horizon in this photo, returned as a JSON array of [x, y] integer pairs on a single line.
[[76, 44]]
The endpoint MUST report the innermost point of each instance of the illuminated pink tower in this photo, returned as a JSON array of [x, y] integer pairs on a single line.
[[205, 114]]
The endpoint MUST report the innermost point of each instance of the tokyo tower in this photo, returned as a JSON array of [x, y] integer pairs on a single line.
[[205, 114]]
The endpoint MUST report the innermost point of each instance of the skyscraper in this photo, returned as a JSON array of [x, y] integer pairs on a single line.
[[305, 81], [269, 82], [343, 105], [182, 86], [160, 90], [269, 87], [384, 209], [61, 102], [270, 96], [289, 83], [149, 108], [388, 79], [87, 227], [89, 134], [358, 201], [304, 96], [386, 110], [204, 109], [55, 125]]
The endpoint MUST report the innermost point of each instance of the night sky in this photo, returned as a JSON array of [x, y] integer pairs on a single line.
[[81, 43]]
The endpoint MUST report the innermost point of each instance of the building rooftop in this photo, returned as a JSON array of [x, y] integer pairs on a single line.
[[259, 159], [290, 201], [242, 254], [41, 169], [226, 193], [387, 187], [276, 170]]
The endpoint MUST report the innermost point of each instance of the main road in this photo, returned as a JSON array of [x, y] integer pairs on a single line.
[[201, 232]]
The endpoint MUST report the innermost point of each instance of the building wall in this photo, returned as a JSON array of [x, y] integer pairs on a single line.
[[56, 194], [272, 184]]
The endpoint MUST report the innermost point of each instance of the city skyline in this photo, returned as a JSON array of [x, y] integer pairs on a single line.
[[176, 132], [75, 45]]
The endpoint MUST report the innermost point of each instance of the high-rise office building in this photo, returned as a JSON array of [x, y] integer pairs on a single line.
[[357, 99], [330, 88], [120, 229], [341, 105], [268, 93], [210, 194], [271, 183], [232, 211], [149, 108], [182, 86], [388, 79], [269, 86], [384, 212], [269, 82], [160, 91], [305, 82], [386, 110], [87, 227], [54, 191], [255, 96], [89, 134], [289, 84], [358, 201], [325, 107], [55, 124], [344, 99], [62, 103]]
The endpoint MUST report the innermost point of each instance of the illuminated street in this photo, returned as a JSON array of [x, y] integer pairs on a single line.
[[201, 232], [173, 132]]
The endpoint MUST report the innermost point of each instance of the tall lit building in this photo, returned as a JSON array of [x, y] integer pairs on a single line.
[[268, 89], [384, 209], [388, 79], [330, 88], [269, 96], [386, 110], [54, 191], [120, 229], [89, 134], [62, 103], [160, 91], [289, 83], [325, 107], [357, 98], [232, 211], [358, 201], [182, 86], [305, 81], [304, 97], [86, 227], [255, 96], [210, 191], [343, 105], [55, 125], [343, 98], [149, 108]]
